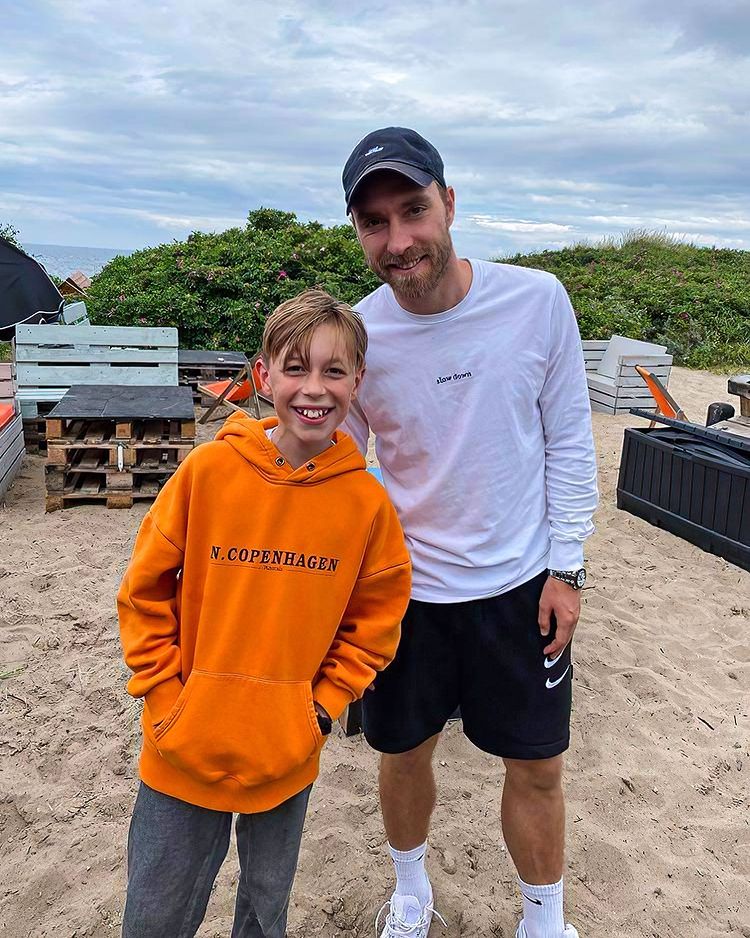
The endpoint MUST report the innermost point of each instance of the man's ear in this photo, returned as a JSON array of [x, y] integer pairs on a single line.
[[450, 204], [264, 375]]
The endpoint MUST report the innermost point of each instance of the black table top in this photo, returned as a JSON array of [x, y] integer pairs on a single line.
[[125, 402], [204, 357]]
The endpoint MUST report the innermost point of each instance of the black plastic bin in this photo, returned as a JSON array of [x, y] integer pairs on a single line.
[[691, 481]]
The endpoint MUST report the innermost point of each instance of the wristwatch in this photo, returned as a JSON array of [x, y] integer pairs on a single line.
[[574, 578], [324, 722]]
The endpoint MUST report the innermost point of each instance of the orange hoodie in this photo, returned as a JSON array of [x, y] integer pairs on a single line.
[[254, 590]]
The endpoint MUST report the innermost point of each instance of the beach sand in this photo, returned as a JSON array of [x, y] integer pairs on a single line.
[[657, 776]]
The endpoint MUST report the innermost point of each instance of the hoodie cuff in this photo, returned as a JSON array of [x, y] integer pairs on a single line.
[[162, 698], [332, 698], [566, 555]]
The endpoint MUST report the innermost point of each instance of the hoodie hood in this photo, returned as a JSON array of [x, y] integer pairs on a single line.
[[248, 437]]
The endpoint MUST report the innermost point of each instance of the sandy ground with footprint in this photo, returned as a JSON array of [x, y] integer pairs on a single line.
[[657, 777]]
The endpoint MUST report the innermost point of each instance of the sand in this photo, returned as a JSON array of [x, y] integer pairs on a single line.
[[657, 776]]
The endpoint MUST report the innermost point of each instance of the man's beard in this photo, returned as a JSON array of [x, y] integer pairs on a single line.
[[415, 286]]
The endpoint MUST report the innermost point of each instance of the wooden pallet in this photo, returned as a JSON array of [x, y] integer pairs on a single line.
[[141, 459], [84, 432], [35, 429], [86, 488]]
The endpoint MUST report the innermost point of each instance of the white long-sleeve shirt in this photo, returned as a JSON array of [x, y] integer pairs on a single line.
[[483, 431]]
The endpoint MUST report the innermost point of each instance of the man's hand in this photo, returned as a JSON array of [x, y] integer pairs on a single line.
[[565, 602]]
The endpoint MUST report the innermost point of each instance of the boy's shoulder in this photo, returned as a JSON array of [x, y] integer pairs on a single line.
[[209, 453], [370, 487]]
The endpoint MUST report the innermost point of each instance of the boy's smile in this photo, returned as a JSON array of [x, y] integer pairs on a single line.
[[311, 393]]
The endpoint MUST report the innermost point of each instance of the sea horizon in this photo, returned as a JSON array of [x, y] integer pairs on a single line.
[[61, 260]]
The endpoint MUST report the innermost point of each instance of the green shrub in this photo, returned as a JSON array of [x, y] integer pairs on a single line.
[[219, 288], [10, 234], [696, 301]]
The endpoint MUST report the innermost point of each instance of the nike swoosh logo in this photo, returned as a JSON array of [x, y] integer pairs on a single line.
[[535, 901], [551, 662], [551, 684]]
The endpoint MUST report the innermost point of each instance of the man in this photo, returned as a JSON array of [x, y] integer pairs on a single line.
[[476, 392]]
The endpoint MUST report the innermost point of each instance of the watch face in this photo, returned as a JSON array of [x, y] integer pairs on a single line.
[[580, 578]]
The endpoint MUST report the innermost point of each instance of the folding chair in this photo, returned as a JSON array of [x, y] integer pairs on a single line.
[[665, 403], [244, 386]]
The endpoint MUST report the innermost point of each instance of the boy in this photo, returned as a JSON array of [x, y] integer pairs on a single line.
[[265, 591]]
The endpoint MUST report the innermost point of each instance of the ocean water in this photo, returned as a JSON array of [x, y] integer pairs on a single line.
[[61, 260]]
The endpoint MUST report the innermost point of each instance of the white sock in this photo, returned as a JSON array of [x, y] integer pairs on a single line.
[[543, 910], [411, 876]]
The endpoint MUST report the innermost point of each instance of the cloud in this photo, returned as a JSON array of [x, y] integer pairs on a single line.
[[122, 123], [517, 225]]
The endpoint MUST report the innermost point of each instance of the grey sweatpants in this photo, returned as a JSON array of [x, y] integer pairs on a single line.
[[175, 851]]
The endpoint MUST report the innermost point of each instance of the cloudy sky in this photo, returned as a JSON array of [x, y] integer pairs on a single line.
[[127, 124]]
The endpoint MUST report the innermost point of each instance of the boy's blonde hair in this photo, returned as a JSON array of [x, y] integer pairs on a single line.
[[290, 327]]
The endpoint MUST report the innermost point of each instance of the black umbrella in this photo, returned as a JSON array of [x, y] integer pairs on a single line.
[[27, 295]]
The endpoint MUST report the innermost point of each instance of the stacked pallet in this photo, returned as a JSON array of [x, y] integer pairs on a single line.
[[11, 429], [35, 428], [200, 367], [116, 444]]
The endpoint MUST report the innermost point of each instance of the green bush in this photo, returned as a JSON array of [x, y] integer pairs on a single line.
[[219, 288], [696, 301], [10, 234]]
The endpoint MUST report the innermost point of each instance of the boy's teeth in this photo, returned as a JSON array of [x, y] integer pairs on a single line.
[[312, 414]]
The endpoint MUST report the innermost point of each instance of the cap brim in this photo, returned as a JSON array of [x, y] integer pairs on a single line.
[[419, 176]]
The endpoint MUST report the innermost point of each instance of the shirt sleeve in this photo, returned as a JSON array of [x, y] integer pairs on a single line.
[[572, 494], [370, 629]]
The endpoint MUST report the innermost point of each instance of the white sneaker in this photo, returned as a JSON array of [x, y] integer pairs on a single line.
[[406, 918], [569, 932]]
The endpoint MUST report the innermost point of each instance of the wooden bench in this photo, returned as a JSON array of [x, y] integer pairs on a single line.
[[75, 314], [11, 429], [7, 383], [614, 384], [51, 359]]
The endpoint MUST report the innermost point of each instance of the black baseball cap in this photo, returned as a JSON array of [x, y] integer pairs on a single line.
[[397, 148]]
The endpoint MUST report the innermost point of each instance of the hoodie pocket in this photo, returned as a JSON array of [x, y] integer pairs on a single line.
[[234, 726]]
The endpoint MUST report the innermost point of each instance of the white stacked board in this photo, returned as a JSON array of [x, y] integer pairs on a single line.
[[51, 359], [614, 384], [11, 433]]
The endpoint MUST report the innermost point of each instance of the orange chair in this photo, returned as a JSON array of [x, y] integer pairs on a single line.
[[665, 403], [7, 413], [245, 387]]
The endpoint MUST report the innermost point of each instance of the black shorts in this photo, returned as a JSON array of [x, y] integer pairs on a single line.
[[486, 657]]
